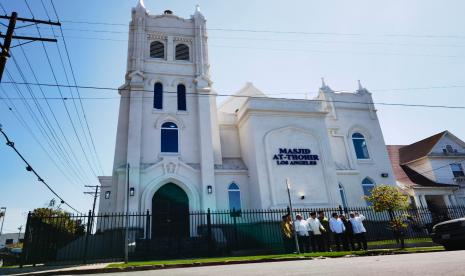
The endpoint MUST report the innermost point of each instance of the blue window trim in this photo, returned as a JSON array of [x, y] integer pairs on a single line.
[[158, 96], [234, 191], [181, 93], [360, 146], [169, 138], [367, 186]]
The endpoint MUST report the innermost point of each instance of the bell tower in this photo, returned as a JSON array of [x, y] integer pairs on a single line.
[[168, 112]]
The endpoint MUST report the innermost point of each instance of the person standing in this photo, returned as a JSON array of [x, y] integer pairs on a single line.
[[302, 228], [317, 230], [359, 230], [287, 234], [325, 235], [348, 234], [337, 227]]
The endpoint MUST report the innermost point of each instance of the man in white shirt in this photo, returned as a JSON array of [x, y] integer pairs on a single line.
[[316, 228], [359, 230], [302, 228], [337, 227]]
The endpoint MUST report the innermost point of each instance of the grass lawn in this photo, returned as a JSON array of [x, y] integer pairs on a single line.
[[273, 257], [407, 241]]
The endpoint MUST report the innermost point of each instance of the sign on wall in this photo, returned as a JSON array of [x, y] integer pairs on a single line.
[[290, 156]]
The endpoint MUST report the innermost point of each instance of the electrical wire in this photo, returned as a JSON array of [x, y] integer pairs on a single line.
[[31, 169], [96, 155], [244, 96]]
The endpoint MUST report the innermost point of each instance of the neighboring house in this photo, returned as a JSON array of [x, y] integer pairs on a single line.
[[9, 239], [431, 171]]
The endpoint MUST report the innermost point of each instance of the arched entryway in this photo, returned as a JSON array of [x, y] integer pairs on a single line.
[[170, 212]]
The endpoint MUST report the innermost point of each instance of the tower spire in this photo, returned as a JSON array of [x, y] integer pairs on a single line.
[[141, 4]]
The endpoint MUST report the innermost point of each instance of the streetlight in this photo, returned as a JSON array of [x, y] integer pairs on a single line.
[[2, 215], [288, 185]]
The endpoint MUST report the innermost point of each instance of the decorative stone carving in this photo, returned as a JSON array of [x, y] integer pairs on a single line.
[[170, 167]]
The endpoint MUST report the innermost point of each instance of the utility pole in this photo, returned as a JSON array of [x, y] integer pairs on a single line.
[[9, 36], [126, 244], [95, 194], [296, 240], [2, 215]]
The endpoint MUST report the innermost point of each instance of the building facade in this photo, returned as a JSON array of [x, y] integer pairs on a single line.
[[431, 171], [176, 150]]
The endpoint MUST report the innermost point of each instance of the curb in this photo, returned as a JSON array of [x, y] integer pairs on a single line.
[[160, 267]]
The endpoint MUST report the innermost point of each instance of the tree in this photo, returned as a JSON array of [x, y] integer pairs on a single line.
[[390, 199], [59, 220]]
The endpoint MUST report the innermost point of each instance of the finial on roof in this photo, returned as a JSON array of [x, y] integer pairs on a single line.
[[324, 86], [361, 89], [197, 8]]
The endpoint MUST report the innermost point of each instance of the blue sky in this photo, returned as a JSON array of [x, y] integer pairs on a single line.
[[396, 48]]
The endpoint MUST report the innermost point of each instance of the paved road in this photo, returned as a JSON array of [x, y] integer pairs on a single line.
[[439, 263]]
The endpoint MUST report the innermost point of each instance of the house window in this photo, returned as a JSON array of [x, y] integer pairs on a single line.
[[157, 50], [169, 137], [107, 194], [343, 196], [182, 97], [360, 146], [234, 195], [158, 96], [8, 241], [182, 52], [457, 170], [367, 185]]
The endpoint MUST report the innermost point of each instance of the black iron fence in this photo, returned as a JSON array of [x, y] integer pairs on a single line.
[[87, 238]]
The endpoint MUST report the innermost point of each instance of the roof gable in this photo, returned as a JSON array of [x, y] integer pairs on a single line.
[[238, 99], [449, 144], [419, 149]]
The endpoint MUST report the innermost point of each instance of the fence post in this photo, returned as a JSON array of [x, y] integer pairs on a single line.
[[147, 225], [340, 210], [26, 241], [209, 232], [89, 227]]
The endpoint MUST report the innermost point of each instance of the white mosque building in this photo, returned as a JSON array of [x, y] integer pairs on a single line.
[[183, 152]]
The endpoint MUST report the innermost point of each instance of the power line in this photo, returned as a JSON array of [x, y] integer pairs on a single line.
[[57, 141], [99, 163], [29, 168], [64, 104], [56, 146], [12, 107], [264, 31], [244, 96], [60, 143]]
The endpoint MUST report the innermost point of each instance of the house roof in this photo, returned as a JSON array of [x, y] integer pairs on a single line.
[[419, 149], [399, 173], [408, 176]]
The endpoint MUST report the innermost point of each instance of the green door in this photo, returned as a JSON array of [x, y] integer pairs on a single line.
[[170, 212]]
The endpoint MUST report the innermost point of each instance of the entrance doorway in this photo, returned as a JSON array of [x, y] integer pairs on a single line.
[[170, 212]]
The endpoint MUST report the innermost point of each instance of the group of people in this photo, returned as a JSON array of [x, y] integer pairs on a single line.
[[315, 234]]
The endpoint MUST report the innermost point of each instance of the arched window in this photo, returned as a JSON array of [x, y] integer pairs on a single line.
[[367, 185], [343, 196], [182, 97], [360, 146], [169, 137], [182, 52], [157, 50], [158, 96], [234, 194]]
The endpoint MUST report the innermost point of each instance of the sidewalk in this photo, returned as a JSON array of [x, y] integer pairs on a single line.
[[167, 264]]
